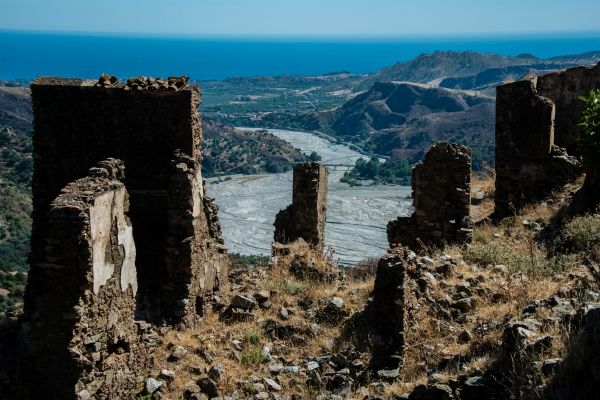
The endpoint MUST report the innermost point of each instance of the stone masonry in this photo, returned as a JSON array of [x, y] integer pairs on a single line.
[[189, 263], [389, 300], [536, 135], [80, 338], [380, 327], [441, 190], [563, 89], [143, 122], [305, 217]]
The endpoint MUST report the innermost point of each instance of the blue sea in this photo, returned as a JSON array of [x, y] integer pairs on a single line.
[[25, 55]]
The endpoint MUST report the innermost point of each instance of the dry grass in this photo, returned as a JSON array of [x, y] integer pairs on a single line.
[[514, 243], [216, 337], [483, 187], [485, 182], [532, 274], [431, 338]]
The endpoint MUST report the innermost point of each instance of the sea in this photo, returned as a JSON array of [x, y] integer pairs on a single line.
[[25, 55]]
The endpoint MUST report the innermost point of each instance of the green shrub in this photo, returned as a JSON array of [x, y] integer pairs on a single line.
[[293, 287], [247, 261], [253, 338], [582, 234], [589, 140], [392, 171], [253, 357], [532, 262]]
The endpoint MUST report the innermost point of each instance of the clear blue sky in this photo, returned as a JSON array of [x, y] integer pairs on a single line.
[[302, 17]]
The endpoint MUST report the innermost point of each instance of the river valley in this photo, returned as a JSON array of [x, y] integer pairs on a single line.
[[356, 216]]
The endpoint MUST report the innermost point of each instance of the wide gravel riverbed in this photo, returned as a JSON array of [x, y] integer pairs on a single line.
[[356, 216]]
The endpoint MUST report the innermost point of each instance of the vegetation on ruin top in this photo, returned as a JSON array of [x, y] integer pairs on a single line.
[[589, 141]]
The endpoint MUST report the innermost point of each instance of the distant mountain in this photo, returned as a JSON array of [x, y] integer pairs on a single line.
[[440, 64], [402, 109], [589, 58], [403, 120], [391, 104]]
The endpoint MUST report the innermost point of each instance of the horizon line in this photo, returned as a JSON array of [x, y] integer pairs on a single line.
[[288, 36]]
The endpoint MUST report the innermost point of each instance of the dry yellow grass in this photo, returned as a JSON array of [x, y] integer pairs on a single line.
[[216, 336], [430, 339]]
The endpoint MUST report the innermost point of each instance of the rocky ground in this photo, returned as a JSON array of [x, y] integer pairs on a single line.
[[514, 315]]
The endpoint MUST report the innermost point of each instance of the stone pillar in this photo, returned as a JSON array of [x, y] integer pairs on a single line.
[[528, 164], [79, 336], [305, 218], [380, 327], [387, 311], [196, 257], [441, 186]]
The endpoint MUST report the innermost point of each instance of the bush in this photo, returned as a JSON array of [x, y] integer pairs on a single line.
[[363, 270], [582, 234], [392, 171], [314, 157], [247, 261], [589, 140], [293, 287], [253, 338], [533, 261], [253, 357]]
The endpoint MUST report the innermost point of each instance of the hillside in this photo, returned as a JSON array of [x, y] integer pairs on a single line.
[[15, 192], [403, 117], [428, 67], [403, 120], [230, 151], [15, 108]]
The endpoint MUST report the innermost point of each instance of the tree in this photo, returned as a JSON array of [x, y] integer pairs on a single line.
[[314, 157], [589, 141]]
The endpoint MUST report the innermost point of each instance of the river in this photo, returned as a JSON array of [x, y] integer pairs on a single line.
[[356, 216]]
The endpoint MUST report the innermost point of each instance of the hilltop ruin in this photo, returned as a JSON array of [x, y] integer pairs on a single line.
[[536, 135], [127, 251], [81, 338], [305, 217], [152, 126], [109, 247], [441, 191]]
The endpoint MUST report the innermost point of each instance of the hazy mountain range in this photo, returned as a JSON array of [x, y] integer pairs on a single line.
[[403, 109]]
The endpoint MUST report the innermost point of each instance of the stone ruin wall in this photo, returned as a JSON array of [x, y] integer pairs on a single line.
[[80, 338], [147, 123], [389, 299], [536, 135], [191, 264], [441, 191], [305, 218], [563, 89]]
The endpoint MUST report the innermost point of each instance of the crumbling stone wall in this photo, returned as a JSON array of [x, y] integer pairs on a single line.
[[80, 339], [193, 269], [380, 327], [563, 89], [441, 190], [389, 300], [305, 218], [533, 118], [143, 122]]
